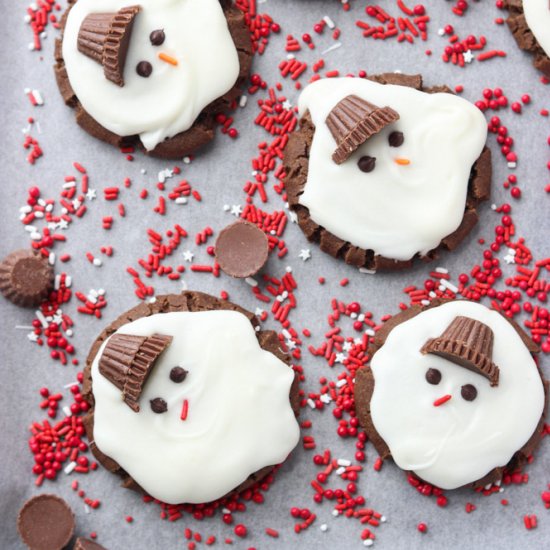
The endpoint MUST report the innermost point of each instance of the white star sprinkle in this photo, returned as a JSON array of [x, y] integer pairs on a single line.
[[347, 346], [91, 194], [305, 254], [468, 56], [236, 210], [188, 256]]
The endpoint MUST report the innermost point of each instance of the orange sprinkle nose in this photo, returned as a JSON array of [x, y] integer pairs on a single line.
[[442, 400], [168, 58], [402, 162]]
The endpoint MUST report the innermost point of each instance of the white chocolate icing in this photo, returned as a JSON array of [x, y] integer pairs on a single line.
[[395, 210], [169, 101], [537, 15], [239, 416], [460, 441]]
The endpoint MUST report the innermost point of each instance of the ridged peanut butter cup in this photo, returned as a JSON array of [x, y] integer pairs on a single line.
[[26, 278], [468, 343], [127, 362], [352, 121], [105, 38]]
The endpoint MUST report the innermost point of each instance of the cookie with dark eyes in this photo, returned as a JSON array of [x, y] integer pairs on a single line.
[[385, 170], [190, 399], [453, 394], [134, 83], [529, 23]]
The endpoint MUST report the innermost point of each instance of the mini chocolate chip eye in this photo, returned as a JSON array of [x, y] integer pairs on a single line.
[[468, 392], [158, 405], [433, 376], [144, 69], [396, 139], [178, 375], [366, 163], [157, 37]]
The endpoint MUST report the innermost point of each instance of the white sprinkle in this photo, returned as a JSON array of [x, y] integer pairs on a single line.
[[368, 542], [41, 202], [69, 332], [51, 258], [369, 332], [38, 214], [286, 334], [425, 302], [25, 209], [335, 513], [186, 160], [441, 270], [311, 403], [383, 519], [432, 294], [341, 383], [97, 262], [41, 318], [69, 185], [70, 467], [86, 509], [448, 285], [340, 471], [332, 48], [361, 317], [68, 281], [511, 165], [329, 22], [325, 398], [323, 527], [27, 18], [67, 386], [143, 171], [243, 101], [31, 46], [101, 292], [251, 281], [152, 300], [290, 56], [440, 32], [367, 271], [257, 329], [94, 293], [67, 411], [38, 97], [181, 200], [288, 269], [343, 462]]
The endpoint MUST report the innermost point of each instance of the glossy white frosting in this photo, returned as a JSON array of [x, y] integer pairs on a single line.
[[239, 416], [395, 210], [460, 441], [537, 15], [169, 101]]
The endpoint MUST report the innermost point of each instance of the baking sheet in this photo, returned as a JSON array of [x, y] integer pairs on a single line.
[[219, 174]]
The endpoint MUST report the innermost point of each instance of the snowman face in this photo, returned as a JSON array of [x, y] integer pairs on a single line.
[[443, 421], [214, 409], [537, 15], [403, 190], [181, 57]]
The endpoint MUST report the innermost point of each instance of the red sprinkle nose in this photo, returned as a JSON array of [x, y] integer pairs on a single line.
[[442, 400], [184, 410]]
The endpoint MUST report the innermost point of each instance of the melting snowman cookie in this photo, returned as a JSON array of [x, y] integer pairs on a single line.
[[529, 22], [392, 172], [453, 394], [190, 405], [149, 69]]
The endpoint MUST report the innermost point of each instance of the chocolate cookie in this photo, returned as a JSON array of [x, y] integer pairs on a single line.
[[215, 373], [372, 182], [452, 394], [86, 544], [520, 12], [158, 89]]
